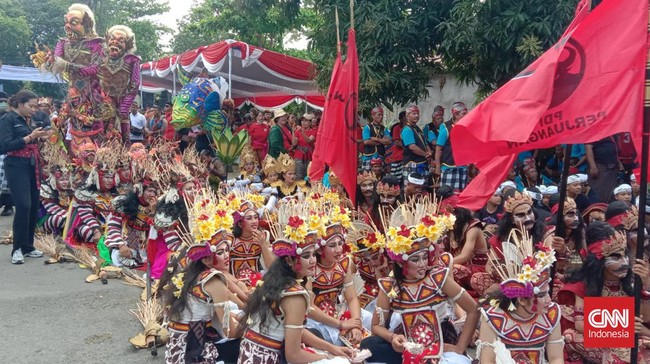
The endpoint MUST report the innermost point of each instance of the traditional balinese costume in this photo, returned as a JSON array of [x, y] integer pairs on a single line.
[[365, 207], [367, 245], [56, 192], [296, 189], [246, 254], [524, 339], [264, 344], [419, 309], [194, 334]]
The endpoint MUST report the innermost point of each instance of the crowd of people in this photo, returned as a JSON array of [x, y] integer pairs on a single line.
[[271, 267]]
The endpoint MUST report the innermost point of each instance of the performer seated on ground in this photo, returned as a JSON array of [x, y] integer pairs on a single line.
[[247, 173], [523, 305], [200, 318], [287, 185], [605, 273], [277, 310], [412, 305], [92, 202], [388, 192], [366, 195], [333, 280], [574, 232], [128, 226], [251, 249], [519, 216], [468, 246], [56, 192], [370, 260]]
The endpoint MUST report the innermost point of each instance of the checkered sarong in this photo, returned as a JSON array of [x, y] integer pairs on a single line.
[[412, 167], [454, 177], [4, 188]]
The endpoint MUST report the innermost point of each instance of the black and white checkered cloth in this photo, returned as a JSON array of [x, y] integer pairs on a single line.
[[454, 177], [4, 188]]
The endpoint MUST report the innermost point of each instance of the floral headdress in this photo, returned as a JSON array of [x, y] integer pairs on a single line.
[[295, 229], [362, 238], [524, 271], [414, 227], [517, 200], [285, 163], [210, 223], [270, 166], [366, 176], [386, 189]]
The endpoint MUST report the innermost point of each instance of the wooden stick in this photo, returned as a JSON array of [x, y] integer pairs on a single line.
[[352, 14]]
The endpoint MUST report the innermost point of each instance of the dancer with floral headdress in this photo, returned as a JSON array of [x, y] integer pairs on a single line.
[[520, 323], [368, 248], [287, 185], [199, 312], [410, 321], [277, 310], [336, 312]]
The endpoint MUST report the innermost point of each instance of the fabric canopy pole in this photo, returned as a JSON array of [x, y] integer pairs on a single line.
[[230, 73]]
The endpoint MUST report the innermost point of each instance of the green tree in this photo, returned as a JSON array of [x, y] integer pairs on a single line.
[[263, 23], [397, 44], [489, 42], [16, 33]]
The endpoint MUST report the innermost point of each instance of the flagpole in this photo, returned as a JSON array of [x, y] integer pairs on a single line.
[[352, 14], [338, 36], [643, 195], [559, 218]]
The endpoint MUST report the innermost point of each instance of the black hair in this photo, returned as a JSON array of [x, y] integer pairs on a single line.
[[3, 95], [192, 271], [360, 198], [131, 205], [463, 217], [504, 302], [266, 299], [21, 97], [401, 115], [247, 117], [237, 230]]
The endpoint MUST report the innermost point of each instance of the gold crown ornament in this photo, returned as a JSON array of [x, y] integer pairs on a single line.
[[517, 200], [366, 176]]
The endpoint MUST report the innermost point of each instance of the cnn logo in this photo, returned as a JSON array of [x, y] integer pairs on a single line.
[[609, 322], [600, 318]]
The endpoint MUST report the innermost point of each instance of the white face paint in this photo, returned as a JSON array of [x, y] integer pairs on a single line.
[[617, 264]]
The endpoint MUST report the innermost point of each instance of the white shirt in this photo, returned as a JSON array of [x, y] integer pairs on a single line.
[[137, 121]]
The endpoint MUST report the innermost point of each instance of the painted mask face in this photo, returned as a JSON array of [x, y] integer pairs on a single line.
[[125, 174], [106, 180], [387, 200], [617, 264], [571, 219], [63, 181], [367, 187], [189, 189], [149, 196], [74, 28], [116, 44], [524, 217]]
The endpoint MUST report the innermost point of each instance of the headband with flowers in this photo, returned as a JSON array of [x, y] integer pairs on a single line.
[[295, 229], [526, 271]]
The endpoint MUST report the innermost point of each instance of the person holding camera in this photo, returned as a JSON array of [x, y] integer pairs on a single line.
[[22, 166], [138, 123]]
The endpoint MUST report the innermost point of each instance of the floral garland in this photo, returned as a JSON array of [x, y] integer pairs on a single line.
[[431, 227]]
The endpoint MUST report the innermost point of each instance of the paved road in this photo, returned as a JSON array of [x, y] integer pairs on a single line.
[[48, 314]]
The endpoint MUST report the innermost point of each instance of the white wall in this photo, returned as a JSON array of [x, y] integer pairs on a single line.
[[443, 90]]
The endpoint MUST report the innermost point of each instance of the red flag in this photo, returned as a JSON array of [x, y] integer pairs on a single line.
[[336, 143], [586, 87]]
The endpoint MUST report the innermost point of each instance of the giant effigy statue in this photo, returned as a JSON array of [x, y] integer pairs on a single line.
[[77, 58], [103, 78], [120, 74]]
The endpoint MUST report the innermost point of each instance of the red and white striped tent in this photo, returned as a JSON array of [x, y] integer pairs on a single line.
[[264, 78]]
